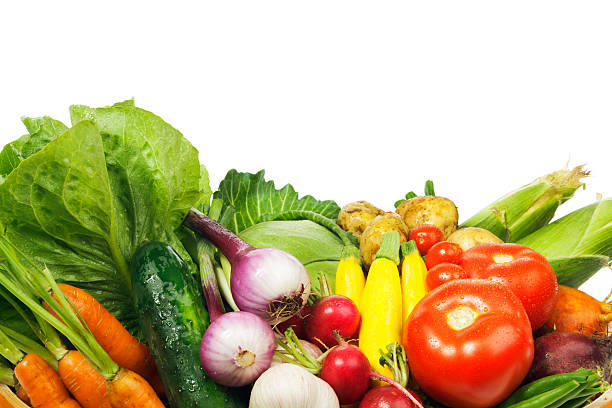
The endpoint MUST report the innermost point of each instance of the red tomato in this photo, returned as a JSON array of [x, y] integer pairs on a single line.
[[527, 273], [388, 397], [441, 252], [469, 343], [444, 272], [425, 236]]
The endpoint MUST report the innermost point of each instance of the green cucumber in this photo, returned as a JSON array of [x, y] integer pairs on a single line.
[[173, 320]]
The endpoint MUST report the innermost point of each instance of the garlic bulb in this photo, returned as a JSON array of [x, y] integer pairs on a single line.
[[291, 386]]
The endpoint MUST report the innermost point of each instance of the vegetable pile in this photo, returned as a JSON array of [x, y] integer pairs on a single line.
[[125, 281]]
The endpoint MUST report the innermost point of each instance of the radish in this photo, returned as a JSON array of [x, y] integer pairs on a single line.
[[329, 314], [297, 322], [348, 372], [387, 397]]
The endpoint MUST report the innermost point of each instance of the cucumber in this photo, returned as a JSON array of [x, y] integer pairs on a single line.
[[173, 320]]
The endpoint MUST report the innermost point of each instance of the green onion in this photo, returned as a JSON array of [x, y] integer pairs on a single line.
[[577, 245], [523, 211]]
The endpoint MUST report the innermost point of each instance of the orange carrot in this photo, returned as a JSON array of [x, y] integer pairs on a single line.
[[130, 390], [42, 384], [83, 382], [20, 392], [10, 400], [121, 346]]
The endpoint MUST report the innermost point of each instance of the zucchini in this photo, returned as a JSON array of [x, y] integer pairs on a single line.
[[173, 320]]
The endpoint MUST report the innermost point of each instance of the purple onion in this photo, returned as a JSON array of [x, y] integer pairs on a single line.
[[265, 281], [236, 348]]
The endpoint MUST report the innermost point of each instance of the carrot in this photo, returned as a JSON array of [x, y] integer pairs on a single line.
[[578, 312], [42, 384], [125, 388], [121, 346], [22, 394], [130, 390], [9, 400], [83, 382]]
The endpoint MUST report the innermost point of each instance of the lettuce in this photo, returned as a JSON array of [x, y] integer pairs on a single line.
[[92, 195]]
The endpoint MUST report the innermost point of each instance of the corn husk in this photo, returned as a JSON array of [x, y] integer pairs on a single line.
[[577, 245], [523, 211]]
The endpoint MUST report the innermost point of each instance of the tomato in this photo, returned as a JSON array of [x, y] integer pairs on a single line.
[[441, 252], [527, 273], [469, 343], [425, 236], [444, 272]]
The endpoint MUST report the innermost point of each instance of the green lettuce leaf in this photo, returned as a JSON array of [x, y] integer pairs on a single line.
[[578, 244], [40, 132], [83, 204]]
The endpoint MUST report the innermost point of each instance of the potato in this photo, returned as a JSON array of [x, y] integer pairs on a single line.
[[370, 239], [435, 210], [469, 237], [354, 217]]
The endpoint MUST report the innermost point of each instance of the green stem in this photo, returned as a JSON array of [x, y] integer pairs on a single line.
[[223, 273], [205, 255], [389, 247], [395, 359], [9, 350], [429, 188], [407, 248], [37, 282], [296, 353], [6, 376], [324, 286], [30, 346], [350, 251]]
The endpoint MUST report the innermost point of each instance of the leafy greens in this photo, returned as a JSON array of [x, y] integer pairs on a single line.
[[84, 203]]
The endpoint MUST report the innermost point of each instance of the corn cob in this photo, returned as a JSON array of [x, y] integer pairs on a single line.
[[519, 213], [577, 245]]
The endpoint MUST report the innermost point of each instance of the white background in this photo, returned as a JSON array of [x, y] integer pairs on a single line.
[[344, 100]]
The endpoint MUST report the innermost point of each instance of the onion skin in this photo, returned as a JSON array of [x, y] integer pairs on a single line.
[[270, 283], [236, 348], [578, 312]]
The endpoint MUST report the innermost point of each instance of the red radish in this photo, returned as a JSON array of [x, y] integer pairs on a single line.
[[297, 322], [331, 313], [348, 372], [388, 397]]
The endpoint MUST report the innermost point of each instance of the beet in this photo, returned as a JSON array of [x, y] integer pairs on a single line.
[[558, 352]]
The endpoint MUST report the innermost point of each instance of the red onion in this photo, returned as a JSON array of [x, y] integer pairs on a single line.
[[236, 348], [266, 281]]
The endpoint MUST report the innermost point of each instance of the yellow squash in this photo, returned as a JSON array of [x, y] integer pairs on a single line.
[[414, 274], [350, 280], [381, 303]]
